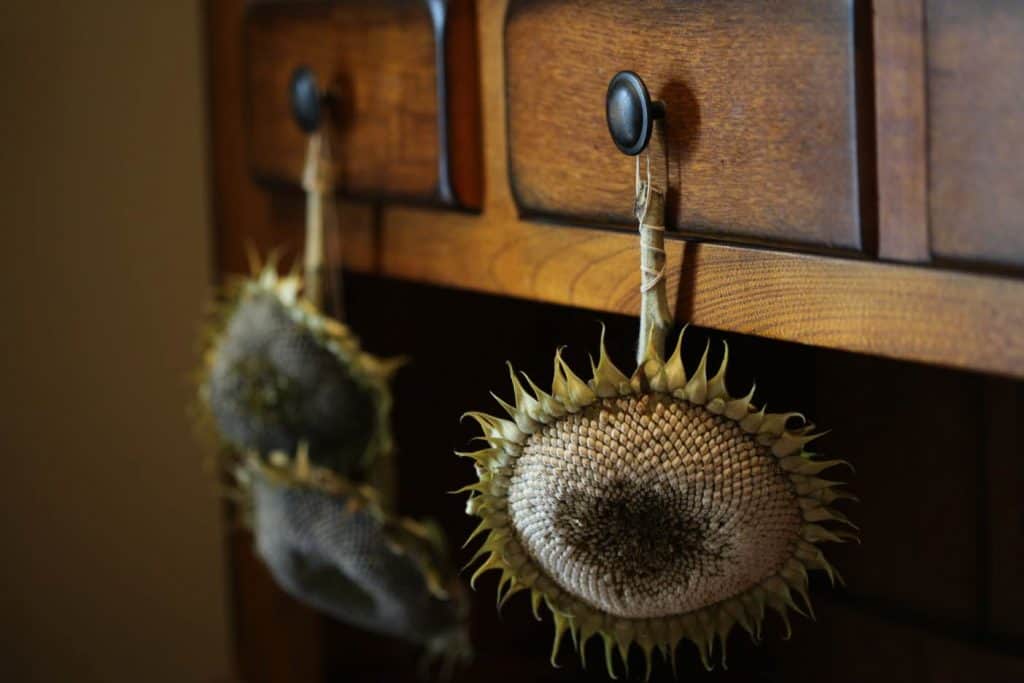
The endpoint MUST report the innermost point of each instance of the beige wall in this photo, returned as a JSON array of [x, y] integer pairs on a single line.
[[111, 564]]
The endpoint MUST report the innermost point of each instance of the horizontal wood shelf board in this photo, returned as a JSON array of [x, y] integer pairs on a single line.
[[914, 313], [760, 128]]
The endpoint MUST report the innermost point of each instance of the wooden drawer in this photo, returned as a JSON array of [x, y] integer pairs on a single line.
[[407, 123], [761, 114], [976, 130]]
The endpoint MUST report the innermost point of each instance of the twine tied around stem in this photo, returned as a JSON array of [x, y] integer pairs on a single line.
[[649, 209]]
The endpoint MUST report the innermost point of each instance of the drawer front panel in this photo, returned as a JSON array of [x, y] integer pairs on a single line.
[[976, 131], [381, 59], [761, 115]]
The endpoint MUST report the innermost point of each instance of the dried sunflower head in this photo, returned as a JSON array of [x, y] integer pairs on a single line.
[[650, 509], [306, 411], [277, 372], [333, 545]]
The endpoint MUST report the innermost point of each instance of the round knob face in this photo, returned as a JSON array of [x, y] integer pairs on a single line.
[[629, 113], [306, 98]]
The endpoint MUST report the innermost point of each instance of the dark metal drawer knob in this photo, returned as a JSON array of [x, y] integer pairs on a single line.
[[630, 112], [308, 100]]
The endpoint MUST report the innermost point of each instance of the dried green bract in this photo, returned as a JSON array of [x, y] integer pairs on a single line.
[[651, 509]]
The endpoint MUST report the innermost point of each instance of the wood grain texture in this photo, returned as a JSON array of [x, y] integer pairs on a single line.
[[960, 320], [955, 319], [384, 61], [760, 121], [901, 134], [976, 130]]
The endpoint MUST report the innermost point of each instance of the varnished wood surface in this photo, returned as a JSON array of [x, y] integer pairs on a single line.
[[914, 313], [976, 130], [955, 319], [901, 132], [760, 122], [391, 135], [462, 104], [240, 207]]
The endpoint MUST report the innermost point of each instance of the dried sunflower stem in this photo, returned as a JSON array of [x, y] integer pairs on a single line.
[[654, 314], [317, 181], [314, 249]]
